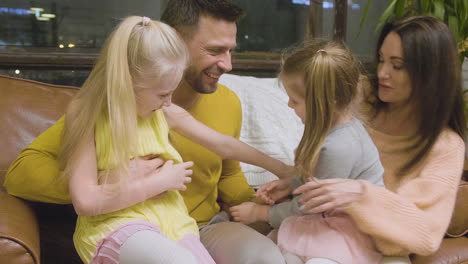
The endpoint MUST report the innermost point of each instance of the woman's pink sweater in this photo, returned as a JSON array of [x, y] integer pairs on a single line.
[[413, 212]]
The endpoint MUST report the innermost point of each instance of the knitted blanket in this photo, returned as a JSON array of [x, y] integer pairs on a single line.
[[268, 124]]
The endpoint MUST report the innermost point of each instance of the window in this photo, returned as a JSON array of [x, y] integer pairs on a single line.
[[57, 41]]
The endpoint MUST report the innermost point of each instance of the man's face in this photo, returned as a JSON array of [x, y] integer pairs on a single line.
[[210, 47]]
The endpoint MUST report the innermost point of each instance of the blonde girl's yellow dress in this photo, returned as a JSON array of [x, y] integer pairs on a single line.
[[168, 212]]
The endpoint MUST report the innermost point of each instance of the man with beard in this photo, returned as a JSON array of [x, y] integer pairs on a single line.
[[209, 29]]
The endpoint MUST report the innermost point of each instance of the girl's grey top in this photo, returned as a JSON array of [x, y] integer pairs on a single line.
[[347, 152]]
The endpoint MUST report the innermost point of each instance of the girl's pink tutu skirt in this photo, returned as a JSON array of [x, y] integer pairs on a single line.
[[332, 235]]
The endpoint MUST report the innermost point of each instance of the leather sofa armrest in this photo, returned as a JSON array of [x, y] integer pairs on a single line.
[[459, 223], [451, 251], [19, 231]]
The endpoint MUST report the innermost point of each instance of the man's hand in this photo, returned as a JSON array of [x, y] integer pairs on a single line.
[[138, 168], [144, 166], [274, 191], [250, 212]]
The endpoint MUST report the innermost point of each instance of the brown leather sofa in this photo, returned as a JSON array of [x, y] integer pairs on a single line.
[[37, 232]]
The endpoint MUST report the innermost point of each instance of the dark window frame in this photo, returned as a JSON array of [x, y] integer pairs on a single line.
[[52, 58]]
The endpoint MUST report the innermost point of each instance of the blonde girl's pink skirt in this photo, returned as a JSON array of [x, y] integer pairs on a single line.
[[333, 236], [108, 250]]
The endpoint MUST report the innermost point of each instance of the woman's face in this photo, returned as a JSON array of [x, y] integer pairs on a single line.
[[295, 88], [152, 95], [394, 81]]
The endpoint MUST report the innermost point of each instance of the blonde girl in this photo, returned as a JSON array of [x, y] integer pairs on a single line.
[[321, 80], [124, 175]]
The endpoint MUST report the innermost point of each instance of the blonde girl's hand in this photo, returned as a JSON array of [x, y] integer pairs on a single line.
[[144, 166], [249, 212], [324, 195], [174, 176], [274, 191]]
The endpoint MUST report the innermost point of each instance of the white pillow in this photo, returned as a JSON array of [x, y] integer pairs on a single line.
[[268, 124]]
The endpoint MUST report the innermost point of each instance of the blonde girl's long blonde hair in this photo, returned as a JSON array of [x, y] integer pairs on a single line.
[[330, 76], [136, 51]]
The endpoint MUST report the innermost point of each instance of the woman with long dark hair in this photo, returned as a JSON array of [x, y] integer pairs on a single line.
[[414, 114]]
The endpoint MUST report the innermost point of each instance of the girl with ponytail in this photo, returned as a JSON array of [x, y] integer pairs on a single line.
[[321, 80], [124, 175]]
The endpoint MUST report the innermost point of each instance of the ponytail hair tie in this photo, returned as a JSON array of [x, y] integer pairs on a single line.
[[145, 20], [321, 50]]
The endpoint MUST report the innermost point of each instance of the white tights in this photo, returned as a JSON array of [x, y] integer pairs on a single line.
[[149, 247]]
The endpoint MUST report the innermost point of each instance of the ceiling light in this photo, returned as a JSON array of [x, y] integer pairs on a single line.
[[48, 15], [37, 9]]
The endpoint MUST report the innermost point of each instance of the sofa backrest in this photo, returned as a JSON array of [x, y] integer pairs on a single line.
[[27, 108]]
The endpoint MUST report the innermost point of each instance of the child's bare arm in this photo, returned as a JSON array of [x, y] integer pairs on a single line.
[[274, 191], [91, 198], [250, 212], [226, 146]]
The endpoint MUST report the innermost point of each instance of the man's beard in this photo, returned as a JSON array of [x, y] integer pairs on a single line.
[[196, 82], [202, 88]]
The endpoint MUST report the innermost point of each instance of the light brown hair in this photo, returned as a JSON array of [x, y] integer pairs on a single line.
[[331, 75]]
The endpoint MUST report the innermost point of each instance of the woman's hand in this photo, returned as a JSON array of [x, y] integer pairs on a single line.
[[324, 195], [249, 212], [274, 191]]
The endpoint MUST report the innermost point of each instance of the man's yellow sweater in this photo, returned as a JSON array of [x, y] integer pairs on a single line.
[[34, 173], [213, 178]]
